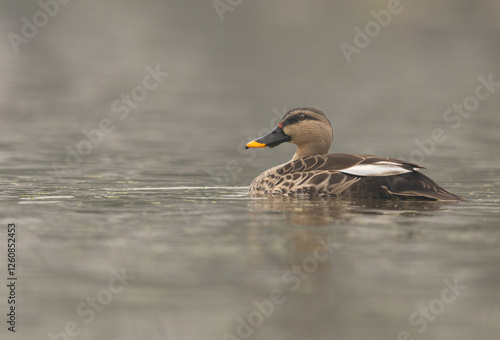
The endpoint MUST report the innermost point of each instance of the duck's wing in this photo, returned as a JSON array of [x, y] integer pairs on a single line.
[[351, 164]]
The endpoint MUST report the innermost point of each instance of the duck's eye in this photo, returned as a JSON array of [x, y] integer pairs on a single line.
[[302, 116]]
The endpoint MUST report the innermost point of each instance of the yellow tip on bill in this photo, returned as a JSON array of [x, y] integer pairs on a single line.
[[254, 144]]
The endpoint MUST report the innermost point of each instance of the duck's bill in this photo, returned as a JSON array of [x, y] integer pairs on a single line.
[[274, 138]]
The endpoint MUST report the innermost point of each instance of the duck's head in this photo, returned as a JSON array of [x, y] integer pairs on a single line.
[[306, 127]]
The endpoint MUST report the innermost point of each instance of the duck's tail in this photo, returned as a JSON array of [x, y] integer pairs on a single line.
[[416, 185]]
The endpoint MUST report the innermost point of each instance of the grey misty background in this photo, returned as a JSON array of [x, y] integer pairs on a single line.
[[227, 77]]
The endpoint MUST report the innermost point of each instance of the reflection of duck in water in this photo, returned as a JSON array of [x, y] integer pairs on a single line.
[[327, 210], [313, 172], [314, 212]]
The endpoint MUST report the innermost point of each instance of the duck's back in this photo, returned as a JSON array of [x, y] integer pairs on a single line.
[[349, 175]]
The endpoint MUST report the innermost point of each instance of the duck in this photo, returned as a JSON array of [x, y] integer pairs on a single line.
[[313, 172]]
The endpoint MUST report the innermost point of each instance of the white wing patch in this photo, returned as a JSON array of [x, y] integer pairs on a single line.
[[382, 168]]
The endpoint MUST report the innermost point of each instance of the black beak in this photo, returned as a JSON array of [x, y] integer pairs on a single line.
[[274, 138]]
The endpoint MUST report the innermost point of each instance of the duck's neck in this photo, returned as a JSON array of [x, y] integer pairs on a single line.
[[307, 150]]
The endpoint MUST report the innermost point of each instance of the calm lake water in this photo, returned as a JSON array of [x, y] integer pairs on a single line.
[[123, 169]]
